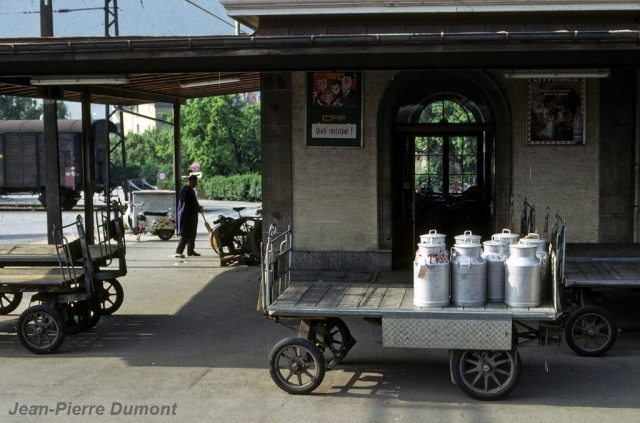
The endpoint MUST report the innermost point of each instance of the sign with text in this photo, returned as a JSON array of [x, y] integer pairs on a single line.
[[556, 111], [334, 109]]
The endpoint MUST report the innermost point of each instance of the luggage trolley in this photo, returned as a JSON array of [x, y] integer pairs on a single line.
[[65, 293], [483, 341]]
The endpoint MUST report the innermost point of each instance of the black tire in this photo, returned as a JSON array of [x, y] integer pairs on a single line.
[[296, 366], [486, 375], [334, 339], [112, 296], [77, 316], [96, 312], [165, 234], [41, 329], [591, 331], [9, 302]]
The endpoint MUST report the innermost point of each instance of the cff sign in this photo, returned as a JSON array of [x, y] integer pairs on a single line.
[[195, 167]]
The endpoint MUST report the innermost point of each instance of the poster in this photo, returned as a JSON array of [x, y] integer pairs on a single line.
[[334, 109], [555, 111]]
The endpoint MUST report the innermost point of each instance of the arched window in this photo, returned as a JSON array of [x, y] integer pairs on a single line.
[[446, 163]]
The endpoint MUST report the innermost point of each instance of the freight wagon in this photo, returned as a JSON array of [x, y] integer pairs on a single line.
[[22, 158]]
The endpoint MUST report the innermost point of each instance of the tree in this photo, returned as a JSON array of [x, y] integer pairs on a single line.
[[21, 108], [222, 134]]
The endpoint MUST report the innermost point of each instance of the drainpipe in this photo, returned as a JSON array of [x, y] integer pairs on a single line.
[[636, 167]]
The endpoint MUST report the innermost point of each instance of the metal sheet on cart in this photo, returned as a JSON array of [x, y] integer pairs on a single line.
[[477, 333]]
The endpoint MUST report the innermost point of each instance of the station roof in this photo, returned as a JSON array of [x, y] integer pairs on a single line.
[[157, 66]]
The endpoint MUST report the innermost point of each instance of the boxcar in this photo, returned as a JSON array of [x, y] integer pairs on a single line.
[[22, 158]]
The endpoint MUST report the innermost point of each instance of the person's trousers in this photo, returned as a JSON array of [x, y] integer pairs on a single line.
[[186, 241]]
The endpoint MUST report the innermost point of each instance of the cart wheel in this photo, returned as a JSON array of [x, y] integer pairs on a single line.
[[337, 340], [9, 302], [486, 375], [77, 317], [95, 311], [112, 296], [296, 366], [591, 331], [165, 234], [41, 329]]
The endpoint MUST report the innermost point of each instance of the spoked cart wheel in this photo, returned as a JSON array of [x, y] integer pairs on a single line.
[[9, 302], [333, 338], [486, 375], [296, 365], [591, 331], [112, 296], [41, 329]]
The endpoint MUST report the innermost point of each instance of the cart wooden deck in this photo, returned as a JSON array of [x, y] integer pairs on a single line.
[[331, 299], [602, 265]]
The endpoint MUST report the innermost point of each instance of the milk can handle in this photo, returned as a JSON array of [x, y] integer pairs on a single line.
[[531, 236], [432, 231], [467, 233], [465, 258], [506, 231]]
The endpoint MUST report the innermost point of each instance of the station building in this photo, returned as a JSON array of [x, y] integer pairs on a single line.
[[449, 115]]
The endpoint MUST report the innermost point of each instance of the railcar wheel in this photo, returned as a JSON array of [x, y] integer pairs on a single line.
[[9, 302], [165, 234], [486, 375], [296, 366], [112, 296], [591, 331], [41, 329]]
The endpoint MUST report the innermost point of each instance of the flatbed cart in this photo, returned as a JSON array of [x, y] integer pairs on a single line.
[[482, 341], [110, 246], [64, 293]]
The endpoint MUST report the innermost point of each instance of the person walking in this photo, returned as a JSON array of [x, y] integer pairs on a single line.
[[188, 209]]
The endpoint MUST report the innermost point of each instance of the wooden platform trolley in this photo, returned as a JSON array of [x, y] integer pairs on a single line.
[[71, 290], [483, 341]]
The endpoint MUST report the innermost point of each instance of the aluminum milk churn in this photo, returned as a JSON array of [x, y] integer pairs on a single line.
[[543, 255], [495, 254], [468, 274], [506, 236], [468, 236], [431, 270], [522, 277], [433, 237]]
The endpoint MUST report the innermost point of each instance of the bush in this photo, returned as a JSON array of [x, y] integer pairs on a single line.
[[247, 187]]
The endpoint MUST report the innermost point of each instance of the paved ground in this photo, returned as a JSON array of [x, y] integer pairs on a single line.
[[188, 338]]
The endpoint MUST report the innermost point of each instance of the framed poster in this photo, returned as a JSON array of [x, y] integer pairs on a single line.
[[555, 111], [334, 109]]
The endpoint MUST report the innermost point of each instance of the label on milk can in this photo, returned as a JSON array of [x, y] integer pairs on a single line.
[[422, 272]]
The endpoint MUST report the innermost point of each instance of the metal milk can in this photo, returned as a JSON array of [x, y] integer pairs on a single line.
[[431, 270], [506, 236], [468, 275], [522, 277], [543, 255], [433, 237], [496, 254]]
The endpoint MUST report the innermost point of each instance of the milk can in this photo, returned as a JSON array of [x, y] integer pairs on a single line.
[[431, 271], [495, 254], [433, 237], [522, 277], [506, 236], [543, 255], [468, 236], [468, 274]]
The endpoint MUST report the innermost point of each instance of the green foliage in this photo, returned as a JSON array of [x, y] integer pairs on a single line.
[[247, 187], [22, 108], [222, 134]]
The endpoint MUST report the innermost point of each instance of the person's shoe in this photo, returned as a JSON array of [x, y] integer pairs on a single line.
[[177, 255], [193, 254]]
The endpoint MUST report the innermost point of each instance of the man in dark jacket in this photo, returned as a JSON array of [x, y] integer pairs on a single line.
[[188, 209]]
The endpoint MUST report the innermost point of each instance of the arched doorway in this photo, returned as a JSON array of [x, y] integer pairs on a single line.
[[445, 148]]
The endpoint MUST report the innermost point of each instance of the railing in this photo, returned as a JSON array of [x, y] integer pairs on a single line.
[[276, 266], [69, 252], [558, 248]]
